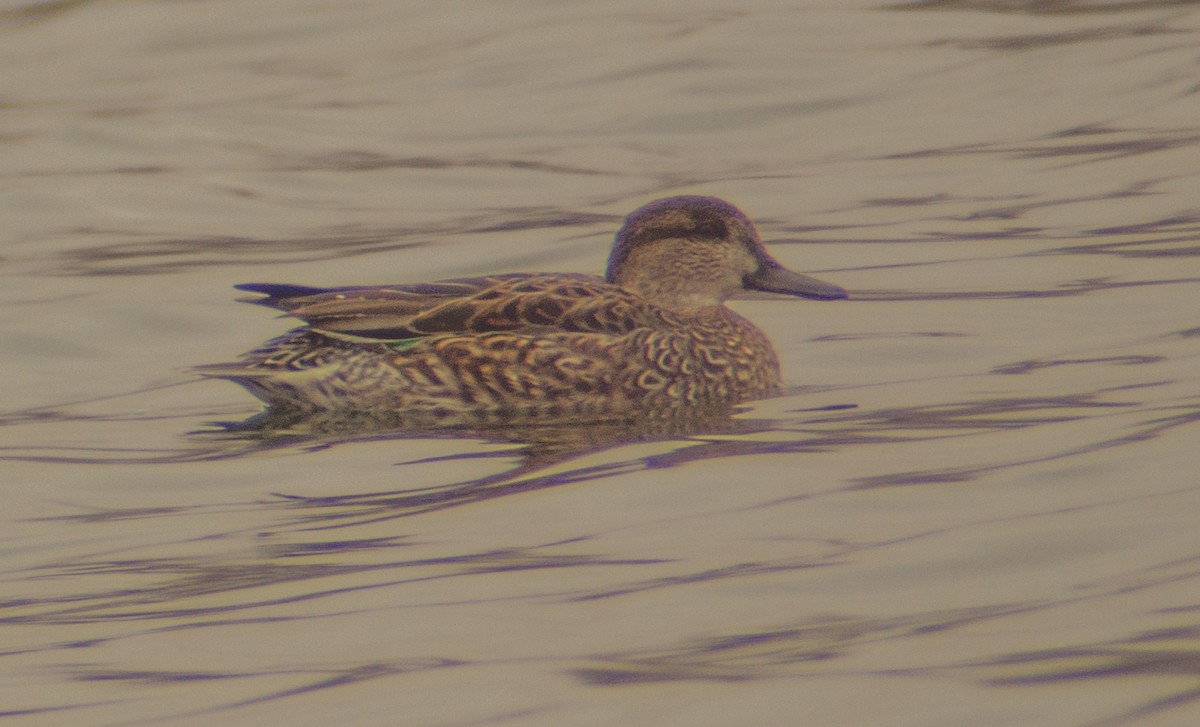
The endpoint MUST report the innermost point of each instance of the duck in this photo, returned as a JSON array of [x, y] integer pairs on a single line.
[[651, 338]]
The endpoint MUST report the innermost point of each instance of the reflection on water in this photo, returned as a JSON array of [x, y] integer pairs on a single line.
[[1043, 7], [321, 553], [977, 503]]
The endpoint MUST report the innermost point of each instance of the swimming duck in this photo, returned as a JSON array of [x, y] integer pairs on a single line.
[[653, 336]]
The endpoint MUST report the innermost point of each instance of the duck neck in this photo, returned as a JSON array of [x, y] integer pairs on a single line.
[[679, 280]]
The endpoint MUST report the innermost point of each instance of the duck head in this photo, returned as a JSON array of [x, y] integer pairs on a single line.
[[695, 251]]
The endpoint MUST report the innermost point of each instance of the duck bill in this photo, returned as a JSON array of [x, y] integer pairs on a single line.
[[771, 277]]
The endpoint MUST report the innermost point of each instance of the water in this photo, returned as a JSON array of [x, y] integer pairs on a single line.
[[974, 504]]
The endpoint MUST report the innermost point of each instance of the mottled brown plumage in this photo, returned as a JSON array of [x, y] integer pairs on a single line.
[[651, 338]]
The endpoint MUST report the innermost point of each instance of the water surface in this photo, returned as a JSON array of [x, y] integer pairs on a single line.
[[974, 503]]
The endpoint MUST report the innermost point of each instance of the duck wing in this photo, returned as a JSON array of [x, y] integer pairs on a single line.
[[513, 302]]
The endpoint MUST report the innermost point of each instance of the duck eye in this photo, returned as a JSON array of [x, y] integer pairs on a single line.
[[710, 229]]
